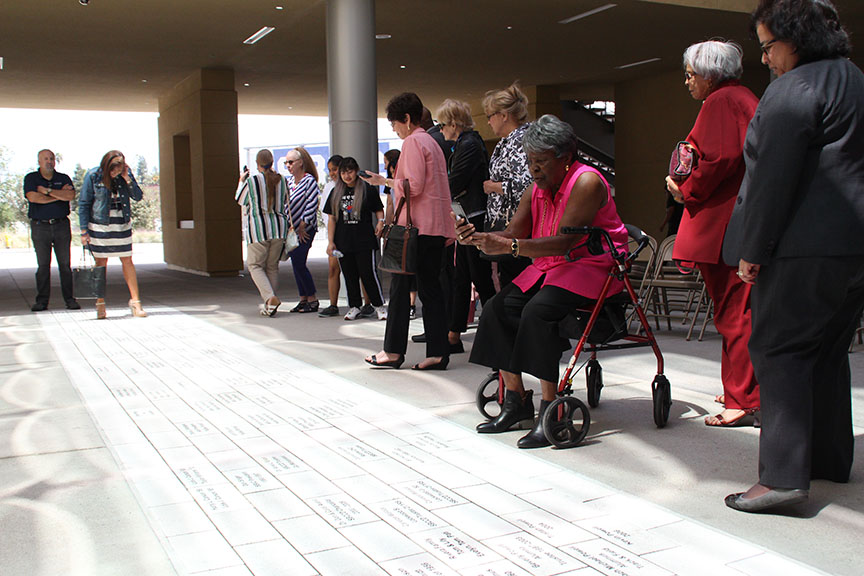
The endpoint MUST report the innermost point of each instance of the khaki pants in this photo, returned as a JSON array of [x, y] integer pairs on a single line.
[[262, 259]]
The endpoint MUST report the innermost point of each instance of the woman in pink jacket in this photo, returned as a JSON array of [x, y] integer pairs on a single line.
[[422, 164]]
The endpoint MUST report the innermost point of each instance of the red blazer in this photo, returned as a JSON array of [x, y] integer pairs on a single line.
[[710, 191]]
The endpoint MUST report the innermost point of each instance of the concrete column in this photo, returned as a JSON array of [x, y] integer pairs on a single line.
[[199, 163], [352, 80]]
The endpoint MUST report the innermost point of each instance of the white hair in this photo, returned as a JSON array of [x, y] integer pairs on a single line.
[[715, 60]]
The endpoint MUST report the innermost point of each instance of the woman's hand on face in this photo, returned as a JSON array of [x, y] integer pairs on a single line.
[[492, 187], [673, 189], [127, 173]]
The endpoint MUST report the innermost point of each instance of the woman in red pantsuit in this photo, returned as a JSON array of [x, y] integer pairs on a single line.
[[712, 70]]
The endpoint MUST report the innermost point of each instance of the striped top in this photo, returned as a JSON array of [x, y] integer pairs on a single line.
[[261, 222], [304, 201]]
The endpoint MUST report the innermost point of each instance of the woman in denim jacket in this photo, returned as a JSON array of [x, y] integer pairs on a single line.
[[105, 218]]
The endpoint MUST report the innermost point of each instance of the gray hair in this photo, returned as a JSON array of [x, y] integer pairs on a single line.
[[715, 60], [550, 133]]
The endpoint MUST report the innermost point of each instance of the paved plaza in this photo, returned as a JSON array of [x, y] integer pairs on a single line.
[[206, 439]]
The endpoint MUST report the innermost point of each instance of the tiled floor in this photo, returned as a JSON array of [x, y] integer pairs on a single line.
[[248, 461]]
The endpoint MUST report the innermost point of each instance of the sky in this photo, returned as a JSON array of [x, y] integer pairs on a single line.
[[84, 136]]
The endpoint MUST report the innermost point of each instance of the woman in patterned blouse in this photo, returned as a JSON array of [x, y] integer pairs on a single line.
[[303, 204], [507, 113]]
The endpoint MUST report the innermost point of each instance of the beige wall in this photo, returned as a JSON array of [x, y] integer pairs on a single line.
[[651, 115], [200, 186]]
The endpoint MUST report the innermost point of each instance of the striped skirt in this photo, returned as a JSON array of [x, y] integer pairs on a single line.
[[112, 239]]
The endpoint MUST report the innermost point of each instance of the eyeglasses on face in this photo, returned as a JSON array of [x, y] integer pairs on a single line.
[[689, 75], [489, 116], [766, 47]]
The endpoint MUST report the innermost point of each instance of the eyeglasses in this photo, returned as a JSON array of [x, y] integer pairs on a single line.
[[489, 116], [766, 47], [689, 75], [289, 162]]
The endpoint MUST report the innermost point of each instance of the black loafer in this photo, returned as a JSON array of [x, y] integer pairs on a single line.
[[457, 348], [73, 305], [39, 307], [419, 338], [774, 498]]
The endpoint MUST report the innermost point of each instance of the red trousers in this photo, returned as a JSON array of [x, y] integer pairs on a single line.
[[731, 299]]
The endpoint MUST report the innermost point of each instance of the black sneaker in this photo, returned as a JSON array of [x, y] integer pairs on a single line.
[[73, 305], [367, 311], [39, 307], [412, 313], [329, 311]]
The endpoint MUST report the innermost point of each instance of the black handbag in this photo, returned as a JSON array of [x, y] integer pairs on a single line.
[[88, 280], [400, 242]]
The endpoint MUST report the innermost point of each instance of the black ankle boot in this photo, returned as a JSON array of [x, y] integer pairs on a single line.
[[514, 410], [536, 438]]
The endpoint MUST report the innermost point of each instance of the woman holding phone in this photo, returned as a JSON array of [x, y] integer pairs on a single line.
[[105, 218]]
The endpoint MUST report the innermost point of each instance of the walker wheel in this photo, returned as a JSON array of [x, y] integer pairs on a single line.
[[662, 394], [566, 422], [594, 379], [487, 393]]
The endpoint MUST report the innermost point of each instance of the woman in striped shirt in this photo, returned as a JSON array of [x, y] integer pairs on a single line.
[[105, 218], [263, 198], [303, 184]]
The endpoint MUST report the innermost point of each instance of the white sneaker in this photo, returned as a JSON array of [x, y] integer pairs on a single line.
[[352, 314], [382, 312]]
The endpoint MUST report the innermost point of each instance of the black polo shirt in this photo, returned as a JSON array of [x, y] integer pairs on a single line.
[[56, 209]]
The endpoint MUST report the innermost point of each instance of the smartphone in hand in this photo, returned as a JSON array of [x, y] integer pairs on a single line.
[[365, 174], [459, 211]]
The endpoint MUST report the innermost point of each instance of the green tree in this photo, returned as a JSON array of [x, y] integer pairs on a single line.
[[146, 211], [141, 171], [13, 204]]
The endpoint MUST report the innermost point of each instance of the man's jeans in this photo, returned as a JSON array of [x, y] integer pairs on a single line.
[[44, 235]]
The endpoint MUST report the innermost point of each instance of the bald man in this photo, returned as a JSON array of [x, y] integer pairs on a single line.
[[48, 194]]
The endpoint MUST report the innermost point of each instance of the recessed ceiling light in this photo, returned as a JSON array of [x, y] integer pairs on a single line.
[[246, 84], [403, 66], [509, 27], [280, 7], [1, 62], [144, 81], [640, 63], [586, 14], [383, 36], [259, 35]]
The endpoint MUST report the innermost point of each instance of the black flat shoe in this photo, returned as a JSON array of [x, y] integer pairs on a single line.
[[774, 498], [440, 365], [419, 338], [389, 364], [306, 307], [457, 348]]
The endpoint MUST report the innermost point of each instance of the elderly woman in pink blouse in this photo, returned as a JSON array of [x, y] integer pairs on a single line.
[[422, 164]]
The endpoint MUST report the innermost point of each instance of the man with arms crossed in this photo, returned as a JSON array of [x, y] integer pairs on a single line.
[[48, 194]]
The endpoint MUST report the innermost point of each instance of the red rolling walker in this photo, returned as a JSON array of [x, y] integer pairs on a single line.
[[567, 420]]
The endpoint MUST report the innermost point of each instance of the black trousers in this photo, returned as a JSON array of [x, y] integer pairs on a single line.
[[518, 331], [470, 269], [45, 236], [804, 312], [429, 252], [361, 266], [510, 268]]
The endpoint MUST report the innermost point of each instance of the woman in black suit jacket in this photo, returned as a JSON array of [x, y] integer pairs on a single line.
[[796, 235]]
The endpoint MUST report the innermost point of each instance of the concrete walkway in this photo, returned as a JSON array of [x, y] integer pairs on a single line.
[[206, 439]]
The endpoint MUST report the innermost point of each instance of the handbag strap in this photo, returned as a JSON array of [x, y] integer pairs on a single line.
[[288, 194], [406, 200]]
